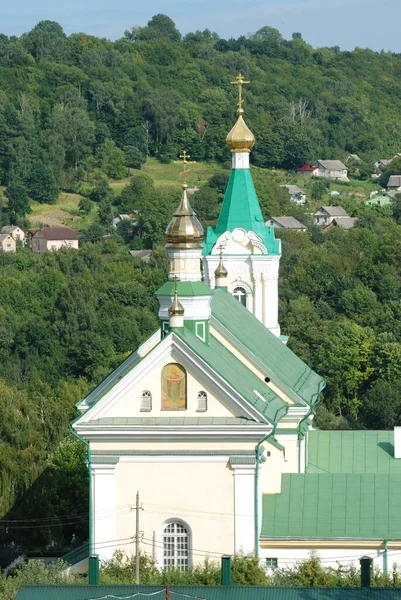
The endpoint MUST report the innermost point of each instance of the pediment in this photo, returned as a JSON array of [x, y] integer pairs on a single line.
[[239, 241], [123, 401]]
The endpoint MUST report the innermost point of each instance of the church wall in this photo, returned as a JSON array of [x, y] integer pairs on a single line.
[[277, 463], [160, 444], [130, 404], [201, 494]]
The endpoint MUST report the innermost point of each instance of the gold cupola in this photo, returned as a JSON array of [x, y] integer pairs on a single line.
[[176, 307], [240, 138], [220, 271], [184, 229]]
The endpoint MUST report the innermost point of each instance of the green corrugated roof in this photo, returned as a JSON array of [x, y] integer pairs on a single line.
[[236, 374], [184, 421], [184, 288], [334, 506], [352, 452], [208, 592], [241, 208], [280, 363]]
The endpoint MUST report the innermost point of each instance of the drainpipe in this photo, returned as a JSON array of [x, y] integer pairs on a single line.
[[91, 530], [310, 412], [385, 556], [258, 456]]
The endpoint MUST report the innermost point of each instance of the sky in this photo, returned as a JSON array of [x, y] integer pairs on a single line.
[[371, 24]]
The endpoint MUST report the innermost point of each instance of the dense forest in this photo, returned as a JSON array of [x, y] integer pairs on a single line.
[[75, 114]]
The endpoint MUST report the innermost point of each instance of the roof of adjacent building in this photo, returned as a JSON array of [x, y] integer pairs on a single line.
[[333, 211], [293, 189], [10, 228], [353, 157], [58, 233], [306, 168], [327, 506], [208, 592], [332, 165], [394, 181], [241, 208], [360, 452], [344, 223], [144, 255], [287, 222], [5, 236]]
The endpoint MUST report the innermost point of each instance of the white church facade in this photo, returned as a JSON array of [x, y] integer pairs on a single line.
[[210, 419]]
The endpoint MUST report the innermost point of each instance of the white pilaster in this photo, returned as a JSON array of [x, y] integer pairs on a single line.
[[258, 297], [244, 508], [104, 510], [240, 160], [302, 453]]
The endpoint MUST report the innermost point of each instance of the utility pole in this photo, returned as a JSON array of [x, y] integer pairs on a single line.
[[137, 539]]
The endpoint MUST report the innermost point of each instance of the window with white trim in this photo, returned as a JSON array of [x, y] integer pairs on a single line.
[[146, 401], [202, 402], [175, 540], [271, 563], [240, 294]]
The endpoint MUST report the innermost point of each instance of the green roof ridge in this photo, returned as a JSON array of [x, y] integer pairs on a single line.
[[184, 288], [241, 208]]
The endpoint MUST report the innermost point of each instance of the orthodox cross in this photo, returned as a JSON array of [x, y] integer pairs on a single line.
[[240, 81], [183, 173]]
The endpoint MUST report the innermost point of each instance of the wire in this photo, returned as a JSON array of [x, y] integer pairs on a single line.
[[127, 597]]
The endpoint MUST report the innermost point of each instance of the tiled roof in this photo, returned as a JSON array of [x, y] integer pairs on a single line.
[[344, 222], [280, 363], [306, 168], [334, 506], [333, 211], [331, 165], [288, 222], [209, 592], [352, 452], [59, 233], [394, 181]]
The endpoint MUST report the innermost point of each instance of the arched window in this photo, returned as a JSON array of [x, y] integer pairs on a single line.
[[146, 401], [174, 387], [202, 402], [240, 294], [175, 540]]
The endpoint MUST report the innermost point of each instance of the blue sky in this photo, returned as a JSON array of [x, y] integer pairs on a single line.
[[346, 23]]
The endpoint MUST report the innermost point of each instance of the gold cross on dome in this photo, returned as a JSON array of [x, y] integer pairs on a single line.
[[240, 81], [183, 173]]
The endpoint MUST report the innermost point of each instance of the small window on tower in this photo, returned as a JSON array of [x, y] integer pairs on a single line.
[[240, 294], [202, 402], [146, 401]]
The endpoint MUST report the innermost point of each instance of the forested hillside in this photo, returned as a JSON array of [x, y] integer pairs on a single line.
[[80, 115]]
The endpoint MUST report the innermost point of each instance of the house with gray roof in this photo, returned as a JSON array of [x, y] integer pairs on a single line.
[[325, 214], [394, 183], [343, 223], [297, 195], [331, 169], [286, 223]]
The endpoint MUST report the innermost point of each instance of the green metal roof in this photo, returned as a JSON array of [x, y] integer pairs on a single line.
[[352, 452], [181, 421], [184, 288], [334, 506], [280, 363], [208, 592], [236, 374], [241, 208]]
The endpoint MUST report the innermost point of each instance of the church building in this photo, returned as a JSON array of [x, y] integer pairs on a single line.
[[209, 421]]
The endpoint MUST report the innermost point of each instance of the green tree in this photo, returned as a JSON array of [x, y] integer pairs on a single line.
[[18, 201], [41, 184], [85, 206], [105, 213]]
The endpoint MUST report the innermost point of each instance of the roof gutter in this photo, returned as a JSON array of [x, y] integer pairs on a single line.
[[89, 463], [311, 411]]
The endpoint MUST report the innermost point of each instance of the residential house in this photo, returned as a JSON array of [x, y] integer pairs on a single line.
[[7, 243], [306, 171], [353, 157], [326, 214], [330, 169], [382, 163], [381, 198], [54, 238], [344, 223], [16, 232], [116, 220], [297, 195], [286, 223], [143, 255], [394, 183]]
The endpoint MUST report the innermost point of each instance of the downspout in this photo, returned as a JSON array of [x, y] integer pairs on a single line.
[[258, 457], [91, 530], [310, 412], [385, 556]]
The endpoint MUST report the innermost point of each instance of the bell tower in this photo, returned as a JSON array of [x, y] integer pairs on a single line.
[[250, 250]]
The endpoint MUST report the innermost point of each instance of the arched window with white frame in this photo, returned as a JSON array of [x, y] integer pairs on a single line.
[[146, 401], [202, 402], [176, 548], [239, 293]]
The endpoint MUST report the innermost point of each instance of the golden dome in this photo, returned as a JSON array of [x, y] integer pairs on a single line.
[[176, 307], [240, 138], [184, 229], [220, 271]]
